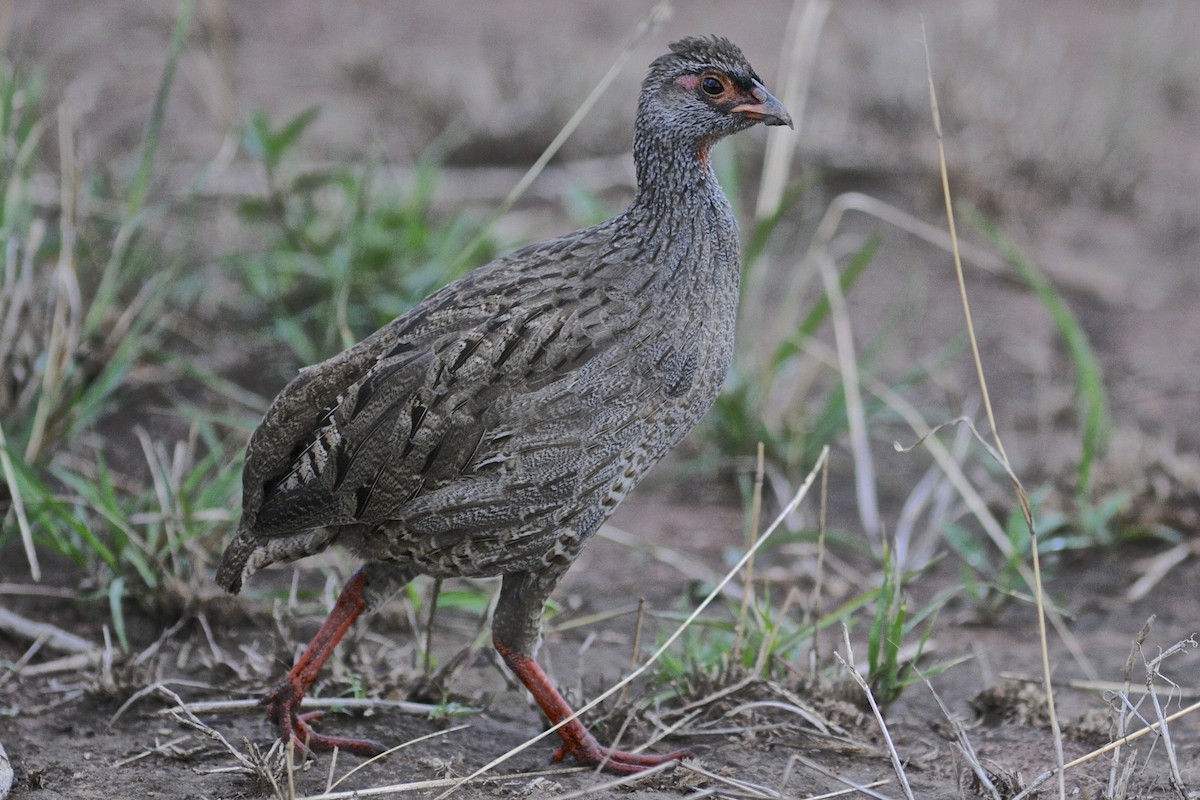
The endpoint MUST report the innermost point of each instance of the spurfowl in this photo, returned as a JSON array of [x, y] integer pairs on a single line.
[[493, 428]]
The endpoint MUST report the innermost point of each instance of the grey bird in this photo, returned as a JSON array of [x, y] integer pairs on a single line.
[[490, 430]]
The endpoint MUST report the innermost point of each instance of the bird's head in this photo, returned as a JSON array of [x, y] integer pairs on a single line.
[[705, 89]]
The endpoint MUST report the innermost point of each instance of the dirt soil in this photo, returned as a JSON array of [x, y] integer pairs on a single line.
[[1072, 126]]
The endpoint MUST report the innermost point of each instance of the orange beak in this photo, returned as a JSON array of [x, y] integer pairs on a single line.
[[765, 108]]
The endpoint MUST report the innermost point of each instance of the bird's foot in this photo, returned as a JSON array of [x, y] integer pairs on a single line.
[[577, 742], [283, 703], [589, 752]]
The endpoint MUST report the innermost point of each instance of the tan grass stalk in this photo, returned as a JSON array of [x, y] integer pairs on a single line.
[[963, 742], [437, 783], [329, 787], [311, 703], [830, 224], [1110, 687], [1152, 672], [739, 642], [866, 789], [64, 329], [1033, 579], [1159, 567], [624, 780], [813, 613], [1154, 727], [52, 636], [796, 67], [1121, 718], [865, 487], [72, 663], [592, 619], [743, 788], [893, 754], [1019, 490], [637, 643], [18, 505]]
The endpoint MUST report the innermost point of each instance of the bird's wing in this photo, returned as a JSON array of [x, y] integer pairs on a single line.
[[423, 401]]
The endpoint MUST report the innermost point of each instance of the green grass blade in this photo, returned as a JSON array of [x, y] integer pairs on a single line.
[[141, 182], [116, 593], [1089, 380]]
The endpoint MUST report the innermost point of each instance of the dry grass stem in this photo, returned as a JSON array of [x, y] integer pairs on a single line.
[[1032, 578], [709, 699], [73, 663], [592, 619], [865, 484], [6, 773], [170, 748], [154, 688], [37, 590], [184, 716], [741, 788], [1108, 748], [435, 589], [796, 67], [437, 783], [18, 507], [963, 742], [51, 636], [813, 612], [1159, 567], [1019, 490], [739, 637], [823, 241], [312, 703], [767, 647], [1122, 719], [624, 780], [893, 754], [637, 643], [1152, 674], [329, 787], [808, 715], [867, 789], [953, 470]]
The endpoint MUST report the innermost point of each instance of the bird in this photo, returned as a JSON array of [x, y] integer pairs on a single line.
[[492, 428]]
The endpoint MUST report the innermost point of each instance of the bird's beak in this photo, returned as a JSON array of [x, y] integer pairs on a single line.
[[765, 108]]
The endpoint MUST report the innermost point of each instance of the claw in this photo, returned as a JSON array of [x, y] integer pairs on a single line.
[[282, 705], [283, 702]]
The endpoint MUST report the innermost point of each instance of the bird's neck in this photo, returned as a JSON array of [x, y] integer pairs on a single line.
[[677, 172]]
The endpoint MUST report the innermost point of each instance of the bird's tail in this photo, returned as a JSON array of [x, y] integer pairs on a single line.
[[249, 552]]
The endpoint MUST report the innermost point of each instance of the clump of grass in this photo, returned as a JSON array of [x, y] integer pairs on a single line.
[[342, 257], [86, 298], [83, 298]]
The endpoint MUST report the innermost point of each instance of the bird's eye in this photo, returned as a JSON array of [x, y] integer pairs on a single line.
[[712, 86]]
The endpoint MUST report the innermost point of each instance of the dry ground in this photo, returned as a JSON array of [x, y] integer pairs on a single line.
[[1072, 126]]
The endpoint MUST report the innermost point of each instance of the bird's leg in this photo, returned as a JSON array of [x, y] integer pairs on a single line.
[[576, 740], [283, 702], [516, 627]]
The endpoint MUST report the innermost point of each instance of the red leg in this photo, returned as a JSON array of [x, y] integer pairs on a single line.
[[576, 739], [283, 702]]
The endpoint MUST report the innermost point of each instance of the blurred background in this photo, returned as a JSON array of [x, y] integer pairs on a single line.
[[198, 199]]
